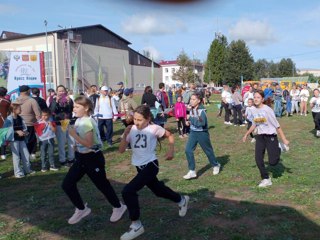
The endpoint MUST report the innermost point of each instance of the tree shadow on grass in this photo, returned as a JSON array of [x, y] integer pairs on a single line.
[[36, 208]]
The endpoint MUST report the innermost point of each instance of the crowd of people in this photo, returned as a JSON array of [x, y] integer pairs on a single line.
[[81, 125]]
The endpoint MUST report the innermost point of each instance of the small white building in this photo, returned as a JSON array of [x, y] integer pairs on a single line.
[[315, 72], [170, 67]]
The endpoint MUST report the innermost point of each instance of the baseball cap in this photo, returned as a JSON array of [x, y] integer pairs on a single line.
[[104, 88], [128, 91], [120, 83]]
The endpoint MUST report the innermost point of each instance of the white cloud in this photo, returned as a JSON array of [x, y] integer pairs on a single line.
[[148, 25], [154, 53], [253, 32], [315, 43], [6, 9]]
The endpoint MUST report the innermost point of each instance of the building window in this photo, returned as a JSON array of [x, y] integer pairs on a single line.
[[166, 70], [166, 78], [173, 70]]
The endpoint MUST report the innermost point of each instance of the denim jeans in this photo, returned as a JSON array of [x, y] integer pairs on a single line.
[[277, 108], [108, 123], [47, 146], [20, 153], [63, 139]]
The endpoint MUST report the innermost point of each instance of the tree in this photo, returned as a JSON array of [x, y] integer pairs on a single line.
[[239, 62], [216, 61], [261, 69], [185, 73], [287, 68]]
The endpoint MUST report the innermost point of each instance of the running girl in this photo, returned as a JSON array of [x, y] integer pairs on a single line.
[[265, 121], [143, 139], [315, 108], [90, 161], [199, 134]]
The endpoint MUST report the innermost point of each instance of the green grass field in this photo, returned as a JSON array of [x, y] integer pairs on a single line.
[[226, 206]]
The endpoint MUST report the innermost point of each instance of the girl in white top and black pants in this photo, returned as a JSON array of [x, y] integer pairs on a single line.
[[143, 138]]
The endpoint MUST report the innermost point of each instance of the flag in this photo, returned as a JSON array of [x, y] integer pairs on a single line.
[[152, 73], [3, 135], [64, 124], [100, 76], [39, 127], [125, 77], [75, 75]]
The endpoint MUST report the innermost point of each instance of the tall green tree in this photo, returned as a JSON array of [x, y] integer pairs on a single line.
[[185, 73], [287, 68], [239, 62], [261, 69], [216, 61]]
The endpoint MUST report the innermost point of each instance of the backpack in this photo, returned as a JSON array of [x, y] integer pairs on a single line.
[[164, 99]]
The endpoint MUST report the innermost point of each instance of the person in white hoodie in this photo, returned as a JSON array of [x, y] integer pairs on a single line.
[[106, 112]]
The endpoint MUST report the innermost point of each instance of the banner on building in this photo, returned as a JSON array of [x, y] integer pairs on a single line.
[[22, 68]]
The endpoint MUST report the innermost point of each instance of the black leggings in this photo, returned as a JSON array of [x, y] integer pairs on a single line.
[[269, 142], [181, 126], [93, 165], [147, 176]]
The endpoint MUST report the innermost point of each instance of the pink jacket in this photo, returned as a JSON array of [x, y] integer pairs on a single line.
[[180, 110]]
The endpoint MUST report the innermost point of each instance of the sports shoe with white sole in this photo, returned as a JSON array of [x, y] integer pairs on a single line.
[[79, 214], [216, 169], [253, 140], [318, 133], [190, 175], [184, 208], [265, 183], [117, 213], [132, 233], [283, 147], [3, 157]]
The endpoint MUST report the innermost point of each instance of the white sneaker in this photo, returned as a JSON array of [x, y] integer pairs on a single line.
[[79, 214], [3, 157], [317, 134], [228, 123], [191, 174], [132, 233], [32, 156], [265, 183], [117, 213], [253, 140], [184, 208], [216, 169]]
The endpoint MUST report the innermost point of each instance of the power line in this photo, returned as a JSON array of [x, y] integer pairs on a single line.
[[295, 55]]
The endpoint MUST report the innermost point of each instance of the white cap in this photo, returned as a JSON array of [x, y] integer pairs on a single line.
[[104, 88]]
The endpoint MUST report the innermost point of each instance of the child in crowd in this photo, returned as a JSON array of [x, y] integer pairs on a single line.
[[18, 145], [315, 108], [180, 112], [143, 138], [304, 95], [90, 161], [45, 129], [199, 134], [265, 121], [249, 116]]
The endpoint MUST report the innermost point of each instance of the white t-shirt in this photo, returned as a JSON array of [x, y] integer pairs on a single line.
[[304, 95], [265, 120], [227, 96], [316, 104], [143, 143], [247, 96]]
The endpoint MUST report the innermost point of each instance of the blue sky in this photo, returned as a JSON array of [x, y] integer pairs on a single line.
[[272, 29]]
